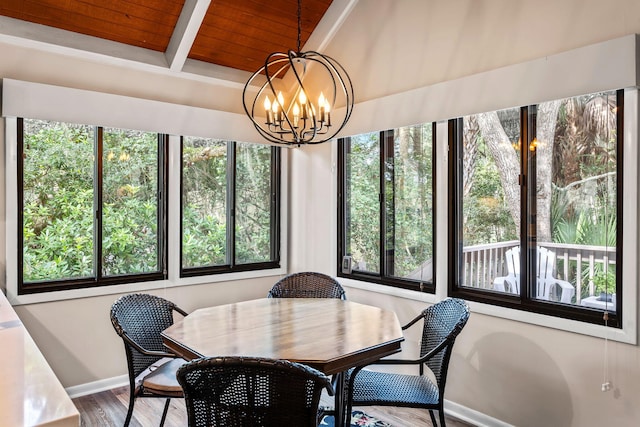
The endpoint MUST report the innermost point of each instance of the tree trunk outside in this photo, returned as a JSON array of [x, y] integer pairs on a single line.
[[506, 159], [545, 131], [470, 150]]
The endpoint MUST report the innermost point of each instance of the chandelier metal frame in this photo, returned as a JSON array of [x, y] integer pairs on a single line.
[[299, 122]]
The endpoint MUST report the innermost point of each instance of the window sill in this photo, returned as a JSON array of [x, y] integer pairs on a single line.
[[16, 299], [625, 335]]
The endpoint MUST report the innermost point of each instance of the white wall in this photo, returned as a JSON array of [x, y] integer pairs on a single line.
[[521, 374]]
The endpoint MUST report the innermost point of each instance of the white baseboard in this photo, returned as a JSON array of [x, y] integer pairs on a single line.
[[472, 416], [97, 386]]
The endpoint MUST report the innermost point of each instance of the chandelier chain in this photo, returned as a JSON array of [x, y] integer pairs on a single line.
[[299, 23]]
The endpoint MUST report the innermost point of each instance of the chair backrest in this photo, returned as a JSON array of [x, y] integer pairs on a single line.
[[546, 263], [512, 258], [245, 391], [443, 322], [141, 318], [307, 285], [545, 268]]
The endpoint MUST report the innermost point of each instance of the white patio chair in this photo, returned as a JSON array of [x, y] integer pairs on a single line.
[[546, 265]]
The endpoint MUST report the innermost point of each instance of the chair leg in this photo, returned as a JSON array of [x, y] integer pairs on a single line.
[[164, 413], [132, 399], [433, 418], [349, 390], [442, 421]]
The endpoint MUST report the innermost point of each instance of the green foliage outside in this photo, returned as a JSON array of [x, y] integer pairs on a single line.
[[408, 202], [583, 180], [584, 204], [604, 282], [204, 203], [486, 218], [253, 203], [58, 204], [363, 190], [58, 191]]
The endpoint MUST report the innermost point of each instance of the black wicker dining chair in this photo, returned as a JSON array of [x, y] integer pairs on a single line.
[[251, 392], [307, 285], [442, 322], [138, 319]]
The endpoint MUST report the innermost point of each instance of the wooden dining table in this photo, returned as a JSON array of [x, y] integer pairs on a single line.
[[331, 335]]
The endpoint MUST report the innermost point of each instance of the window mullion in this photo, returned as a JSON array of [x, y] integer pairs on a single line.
[[97, 203], [382, 205], [231, 203], [344, 173], [275, 203], [162, 201], [619, 192], [20, 200], [527, 203], [389, 192]]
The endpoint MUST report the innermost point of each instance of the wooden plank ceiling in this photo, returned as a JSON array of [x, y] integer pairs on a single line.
[[234, 33]]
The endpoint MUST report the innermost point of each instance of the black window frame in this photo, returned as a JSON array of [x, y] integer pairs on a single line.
[[526, 301], [231, 266], [98, 280], [384, 277]]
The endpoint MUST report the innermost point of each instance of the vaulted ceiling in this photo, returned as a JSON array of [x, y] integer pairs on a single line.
[[188, 34]]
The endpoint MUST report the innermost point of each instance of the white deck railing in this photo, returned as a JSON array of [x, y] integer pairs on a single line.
[[483, 263]]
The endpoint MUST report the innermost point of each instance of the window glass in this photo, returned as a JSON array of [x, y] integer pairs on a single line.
[[490, 198], [408, 203], [575, 160], [230, 206], [253, 203], [362, 174], [204, 202], [91, 208], [129, 198], [559, 255], [386, 231], [57, 192]]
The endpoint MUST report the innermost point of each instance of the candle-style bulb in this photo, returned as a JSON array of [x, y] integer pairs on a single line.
[[296, 114], [274, 108], [327, 111], [302, 98], [267, 109], [281, 99]]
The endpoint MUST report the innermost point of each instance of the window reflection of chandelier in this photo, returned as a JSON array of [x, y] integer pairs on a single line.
[[315, 85]]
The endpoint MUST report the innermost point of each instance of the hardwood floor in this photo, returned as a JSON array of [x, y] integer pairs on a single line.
[[109, 408]]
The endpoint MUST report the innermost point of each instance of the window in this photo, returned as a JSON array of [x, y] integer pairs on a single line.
[[92, 206], [536, 191], [230, 206], [386, 207]]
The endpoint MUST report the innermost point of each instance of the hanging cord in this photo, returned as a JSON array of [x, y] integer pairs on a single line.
[[606, 383]]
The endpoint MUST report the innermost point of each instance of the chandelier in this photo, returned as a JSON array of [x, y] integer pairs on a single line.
[[315, 84]]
